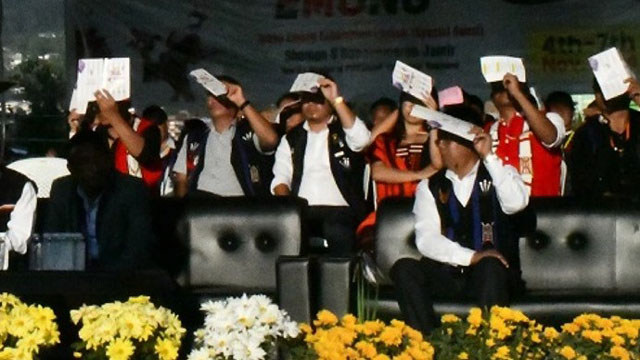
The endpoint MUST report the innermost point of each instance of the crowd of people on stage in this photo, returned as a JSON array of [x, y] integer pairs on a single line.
[[471, 197]]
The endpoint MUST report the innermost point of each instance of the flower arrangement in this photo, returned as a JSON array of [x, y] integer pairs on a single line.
[[348, 339], [130, 330], [24, 329], [590, 336], [500, 333], [242, 328]]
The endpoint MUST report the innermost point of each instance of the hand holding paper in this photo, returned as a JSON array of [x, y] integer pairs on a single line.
[[411, 81], [633, 90], [448, 123], [611, 72], [329, 89], [481, 142], [209, 82], [236, 94], [511, 83]]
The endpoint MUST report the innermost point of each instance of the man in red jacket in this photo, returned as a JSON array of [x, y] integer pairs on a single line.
[[526, 138]]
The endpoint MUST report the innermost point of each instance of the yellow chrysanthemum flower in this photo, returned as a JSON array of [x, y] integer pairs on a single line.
[[449, 318], [502, 353], [367, 349], [391, 336], [592, 335], [568, 352], [166, 349], [571, 328], [120, 349], [475, 317], [463, 356], [619, 352], [551, 333], [325, 318]]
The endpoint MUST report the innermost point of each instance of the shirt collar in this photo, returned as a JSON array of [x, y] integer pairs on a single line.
[[230, 131], [306, 125], [470, 176]]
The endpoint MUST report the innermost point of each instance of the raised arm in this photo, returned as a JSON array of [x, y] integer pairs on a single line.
[[542, 127], [265, 132]]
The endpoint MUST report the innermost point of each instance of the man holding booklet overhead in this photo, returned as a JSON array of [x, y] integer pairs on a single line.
[[523, 137], [103, 96], [320, 161], [227, 158], [605, 157], [463, 224]]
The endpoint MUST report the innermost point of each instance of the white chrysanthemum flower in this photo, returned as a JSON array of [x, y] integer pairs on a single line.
[[199, 354], [243, 327], [291, 329], [212, 306]]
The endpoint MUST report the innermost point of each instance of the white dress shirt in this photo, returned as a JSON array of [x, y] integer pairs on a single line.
[[510, 191], [217, 176], [20, 225], [317, 185], [558, 123]]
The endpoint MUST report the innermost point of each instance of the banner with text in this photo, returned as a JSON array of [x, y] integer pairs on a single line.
[[266, 43]]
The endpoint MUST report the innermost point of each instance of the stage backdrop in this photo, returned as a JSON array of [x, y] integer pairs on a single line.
[[265, 43]]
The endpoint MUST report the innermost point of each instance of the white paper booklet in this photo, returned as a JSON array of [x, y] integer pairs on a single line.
[[76, 103], [411, 81], [611, 71], [111, 74], [438, 120], [494, 68], [116, 78], [209, 82], [451, 96], [90, 77], [306, 82]]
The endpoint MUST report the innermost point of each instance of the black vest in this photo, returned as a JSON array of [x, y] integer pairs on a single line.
[[250, 166], [482, 219], [11, 186], [347, 166]]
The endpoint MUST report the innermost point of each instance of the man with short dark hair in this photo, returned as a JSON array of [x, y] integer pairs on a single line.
[[463, 229], [320, 160], [562, 104], [227, 158], [110, 209]]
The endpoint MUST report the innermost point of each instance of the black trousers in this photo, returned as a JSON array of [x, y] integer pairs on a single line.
[[335, 224], [418, 282]]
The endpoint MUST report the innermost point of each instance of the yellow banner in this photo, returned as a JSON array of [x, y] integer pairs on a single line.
[[563, 53]]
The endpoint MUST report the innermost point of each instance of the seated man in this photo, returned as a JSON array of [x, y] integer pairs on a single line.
[[18, 202], [111, 209], [226, 158], [463, 230], [605, 158], [320, 161]]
